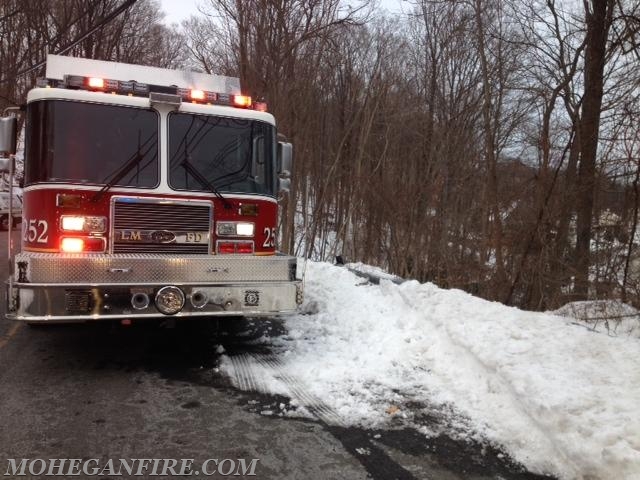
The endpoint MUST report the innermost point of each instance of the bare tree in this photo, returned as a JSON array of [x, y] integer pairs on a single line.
[[121, 30]]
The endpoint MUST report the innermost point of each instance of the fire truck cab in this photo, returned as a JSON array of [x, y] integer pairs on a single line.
[[148, 193]]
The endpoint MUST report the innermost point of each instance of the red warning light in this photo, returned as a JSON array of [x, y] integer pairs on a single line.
[[72, 245], [260, 106], [226, 247]]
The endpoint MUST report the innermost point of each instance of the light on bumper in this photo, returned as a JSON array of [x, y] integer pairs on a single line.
[[170, 300]]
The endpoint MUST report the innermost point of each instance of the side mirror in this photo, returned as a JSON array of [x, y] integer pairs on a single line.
[[8, 135], [7, 164], [285, 162], [285, 158], [284, 184]]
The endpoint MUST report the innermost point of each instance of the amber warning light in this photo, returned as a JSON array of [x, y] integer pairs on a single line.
[[242, 101], [95, 82], [197, 95]]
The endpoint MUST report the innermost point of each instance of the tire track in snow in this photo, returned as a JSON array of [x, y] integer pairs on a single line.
[[312, 403], [245, 375], [522, 407], [248, 371]]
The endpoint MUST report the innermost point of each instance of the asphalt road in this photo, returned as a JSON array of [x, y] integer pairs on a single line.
[[107, 392]]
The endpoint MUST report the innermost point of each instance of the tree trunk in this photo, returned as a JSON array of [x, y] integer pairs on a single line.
[[598, 20]]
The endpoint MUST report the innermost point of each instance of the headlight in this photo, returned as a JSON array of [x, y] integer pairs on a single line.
[[244, 229], [72, 223], [235, 229]]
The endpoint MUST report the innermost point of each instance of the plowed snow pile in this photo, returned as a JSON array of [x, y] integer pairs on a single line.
[[559, 398]]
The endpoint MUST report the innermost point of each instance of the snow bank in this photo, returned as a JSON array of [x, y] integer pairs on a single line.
[[559, 398], [605, 316]]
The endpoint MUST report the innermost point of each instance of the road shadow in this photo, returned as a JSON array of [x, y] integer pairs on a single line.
[[164, 347]]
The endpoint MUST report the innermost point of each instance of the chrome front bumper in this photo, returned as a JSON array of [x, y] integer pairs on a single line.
[[62, 288]]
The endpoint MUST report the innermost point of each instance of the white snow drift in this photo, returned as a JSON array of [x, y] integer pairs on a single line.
[[559, 398]]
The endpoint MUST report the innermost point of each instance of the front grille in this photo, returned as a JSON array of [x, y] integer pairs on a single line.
[[134, 220]]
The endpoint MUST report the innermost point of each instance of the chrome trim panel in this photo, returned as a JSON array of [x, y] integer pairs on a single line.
[[150, 269], [52, 304]]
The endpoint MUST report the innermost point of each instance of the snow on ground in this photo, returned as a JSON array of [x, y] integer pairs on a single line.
[[557, 397], [605, 316]]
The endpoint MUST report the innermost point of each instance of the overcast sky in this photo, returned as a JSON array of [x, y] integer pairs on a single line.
[[178, 10]]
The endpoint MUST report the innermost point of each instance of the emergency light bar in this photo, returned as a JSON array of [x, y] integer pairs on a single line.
[[133, 88]]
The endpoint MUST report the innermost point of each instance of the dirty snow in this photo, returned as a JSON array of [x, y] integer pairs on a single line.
[[557, 397]]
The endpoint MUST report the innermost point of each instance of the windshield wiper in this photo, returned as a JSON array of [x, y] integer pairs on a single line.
[[119, 174], [194, 172], [202, 180], [244, 171]]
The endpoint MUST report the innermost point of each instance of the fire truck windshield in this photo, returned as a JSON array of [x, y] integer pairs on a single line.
[[231, 154], [90, 143]]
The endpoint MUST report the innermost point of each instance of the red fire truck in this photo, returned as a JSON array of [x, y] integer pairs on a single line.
[[147, 193]]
